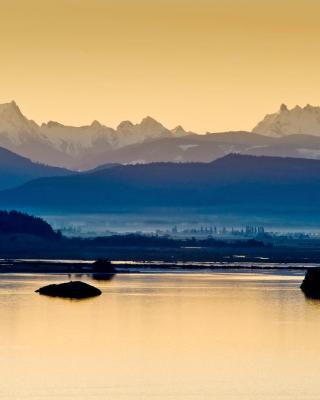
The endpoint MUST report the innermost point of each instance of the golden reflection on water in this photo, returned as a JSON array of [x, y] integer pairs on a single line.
[[188, 336]]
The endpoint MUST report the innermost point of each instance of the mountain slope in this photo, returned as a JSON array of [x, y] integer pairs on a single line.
[[190, 148], [298, 120], [16, 170], [206, 148], [239, 182]]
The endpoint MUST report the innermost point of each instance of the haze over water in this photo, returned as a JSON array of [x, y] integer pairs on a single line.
[[165, 336]]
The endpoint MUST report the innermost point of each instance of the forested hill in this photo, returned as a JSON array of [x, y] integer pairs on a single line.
[[14, 222], [235, 181]]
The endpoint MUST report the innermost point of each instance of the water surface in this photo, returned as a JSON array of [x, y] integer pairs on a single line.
[[219, 336]]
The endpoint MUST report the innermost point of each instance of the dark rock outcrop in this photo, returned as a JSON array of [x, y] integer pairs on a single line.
[[103, 266], [311, 283], [101, 276], [72, 290]]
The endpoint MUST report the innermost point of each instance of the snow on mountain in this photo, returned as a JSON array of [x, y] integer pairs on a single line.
[[75, 140], [294, 133], [178, 131], [14, 127], [148, 129], [54, 141], [298, 120]]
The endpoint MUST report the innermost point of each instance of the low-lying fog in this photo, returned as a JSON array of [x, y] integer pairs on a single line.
[[167, 220]]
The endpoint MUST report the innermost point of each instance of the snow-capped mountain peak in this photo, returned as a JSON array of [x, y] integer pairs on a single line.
[[298, 120], [151, 123], [24, 136], [96, 124], [129, 133], [179, 131], [10, 113], [125, 125], [14, 126]]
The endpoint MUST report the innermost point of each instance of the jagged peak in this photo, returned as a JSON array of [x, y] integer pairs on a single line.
[[14, 105], [297, 120], [307, 107], [150, 122], [125, 125], [96, 124], [53, 124], [283, 108], [178, 129], [11, 107]]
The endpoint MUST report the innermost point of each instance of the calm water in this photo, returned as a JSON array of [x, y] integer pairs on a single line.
[[165, 336]]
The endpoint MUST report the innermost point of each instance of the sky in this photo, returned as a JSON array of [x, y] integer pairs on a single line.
[[208, 65]]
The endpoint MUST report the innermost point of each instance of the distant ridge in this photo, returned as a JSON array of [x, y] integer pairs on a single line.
[[239, 182], [16, 170]]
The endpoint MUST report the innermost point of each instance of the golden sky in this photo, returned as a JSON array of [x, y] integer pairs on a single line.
[[206, 64]]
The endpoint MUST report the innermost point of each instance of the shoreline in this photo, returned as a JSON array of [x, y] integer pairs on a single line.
[[84, 267]]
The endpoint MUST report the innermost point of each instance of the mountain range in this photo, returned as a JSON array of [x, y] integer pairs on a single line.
[[286, 133], [236, 182], [56, 144]]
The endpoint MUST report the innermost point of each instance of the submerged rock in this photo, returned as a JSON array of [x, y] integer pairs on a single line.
[[103, 276], [72, 290], [104, 266], [311, 283]]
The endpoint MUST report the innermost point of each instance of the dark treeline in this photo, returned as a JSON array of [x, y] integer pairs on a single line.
[[14, 222], [137, 240]]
